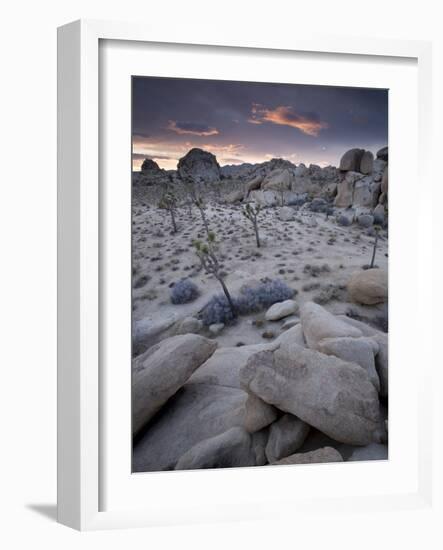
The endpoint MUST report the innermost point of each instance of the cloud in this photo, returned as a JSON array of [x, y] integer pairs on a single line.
[[193, 128], [308, 123], [153, 157], [231, 149], [234, 160]]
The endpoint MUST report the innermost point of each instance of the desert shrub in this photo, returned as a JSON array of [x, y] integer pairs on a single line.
[[250, 300], [184, 291], [262, 296], [141, 281], [328, 293], [217, 310]]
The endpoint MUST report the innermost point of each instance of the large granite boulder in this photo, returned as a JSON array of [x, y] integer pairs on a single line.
[[334, 396], [361, 351], [195, 413], [278, 180], [230, 449], [366, 192], [280, 310], [381, 358], [367, 163], [368, 287], [254, 183], [351, 160], [323, 455], [199, 165], [303, 184], [162, 370], [318, 323], [345, 190], [224, 366], [286, 435], [149, 165], [383, 154], [235, 196], [373, 451], [384, 180]]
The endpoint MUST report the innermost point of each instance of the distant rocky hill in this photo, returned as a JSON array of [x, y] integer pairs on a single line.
[[358, 187]]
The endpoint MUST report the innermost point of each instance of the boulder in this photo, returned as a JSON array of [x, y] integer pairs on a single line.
[[149, 331], [378, 169], [345, 192], [290, 323], [354, 350], [373, 451], [318, 323], [325, 454], [368, 287], [303, 184], [195, 413], [265, 198], [379, 214], [365, 220], [254, 183], [230, 449], [234, 196], [224, 366], [319, 205], [381, 362], [216, 328], [383, 154], [162, 370], [199, 165], [344, 221], [384, 181], [286, 213], [351, 160], [189, 325], [301, 170], [367, 163], [292, 335], [366, 192], [280, 310], [334, 396], [150, 165], [278, 180], [286, 435]]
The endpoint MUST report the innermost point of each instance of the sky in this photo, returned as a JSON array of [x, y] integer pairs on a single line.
[[253, 122]]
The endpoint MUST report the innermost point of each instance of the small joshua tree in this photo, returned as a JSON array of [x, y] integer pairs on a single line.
[[251, 213], [196, 199], [281, 188], [374, 250], [206, 253], [168, 202]]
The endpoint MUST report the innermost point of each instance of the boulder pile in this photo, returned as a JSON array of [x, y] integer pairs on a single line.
[[362, 190], [200, 406]]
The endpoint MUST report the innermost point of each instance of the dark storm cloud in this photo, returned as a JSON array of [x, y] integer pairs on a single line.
[[255, 121]]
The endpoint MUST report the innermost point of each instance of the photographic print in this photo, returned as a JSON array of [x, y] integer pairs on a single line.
[[259, 274]]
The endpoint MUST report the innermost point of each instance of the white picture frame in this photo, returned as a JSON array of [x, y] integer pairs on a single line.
[[80, 365]]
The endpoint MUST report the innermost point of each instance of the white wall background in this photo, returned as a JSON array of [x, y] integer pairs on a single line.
[[28, 270]]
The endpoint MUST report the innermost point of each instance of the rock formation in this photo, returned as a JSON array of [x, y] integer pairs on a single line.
[[199, 165]]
